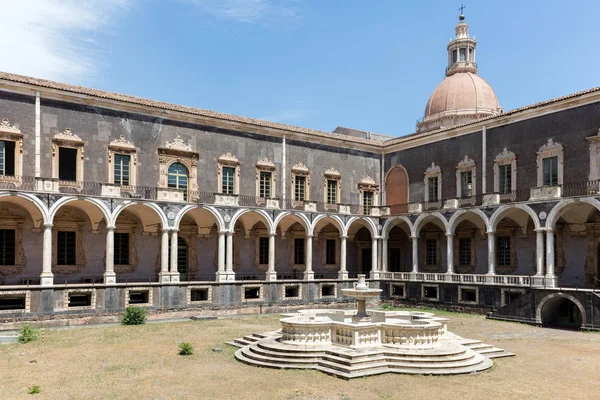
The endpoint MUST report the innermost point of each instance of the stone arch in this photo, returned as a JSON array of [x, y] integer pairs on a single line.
[[462, 215], [391, 222], [366, 222], [504, 210], [94, 209], [558, 209], [554, 296], [33, 205], [396, 189], [423, 219], [213, 211], [137, 208], [332, 219], [264, 217], [299, 217]]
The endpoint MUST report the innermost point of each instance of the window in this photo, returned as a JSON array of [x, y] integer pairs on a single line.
[[503, 250], [454, 56], [330, 245], [550, 171], [263, 250], [300, 188], [463, 54], [7, 158], [66, 245], [265, 184], [299, 251], [67, 164], [505, 178], [7, 246], [367, 202], [121, 248], [431, 252], [121, 169], [432, 188], [466, 184], [332, 191], [227, 183], [178, 178], [464, 251]]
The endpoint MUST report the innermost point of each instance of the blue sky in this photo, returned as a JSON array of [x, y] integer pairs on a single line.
[[316, 63]]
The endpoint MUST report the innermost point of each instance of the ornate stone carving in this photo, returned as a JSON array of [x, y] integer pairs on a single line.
[[228, 159], [331, 172], [265, 164], [6, 127], [466, 163], [300, 169], [433, 169], [368, 183], [505, 155], [67, 135], [122, 143], [550, 146], [178, 144]]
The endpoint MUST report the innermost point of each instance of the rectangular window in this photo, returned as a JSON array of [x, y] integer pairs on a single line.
[[299, 251], [7, 158], [263, 250], [463, 54], [7, 246], [67, 164], [332, 186], [228, 176], [505, 178], [66, 248], [454, 56], [431, 251], [300, 188], [121, 252], [121, 169], [503, 250], [265, 184], [330, 245], [464, 251], [550, 171], [367, 202], [466, 184], [432, 188]]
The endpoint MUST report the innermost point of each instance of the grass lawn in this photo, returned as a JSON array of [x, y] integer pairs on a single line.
[[141, 362]]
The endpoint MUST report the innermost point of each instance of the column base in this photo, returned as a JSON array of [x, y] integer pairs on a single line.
[[448, 276], [343, 275], [489, 277], [271, 276], [413, 276], [550, 281], [164, 277], [374, 275], [175, 277], [537, 280], [225, 276], [47, 279], [110, 278], [309, 276]]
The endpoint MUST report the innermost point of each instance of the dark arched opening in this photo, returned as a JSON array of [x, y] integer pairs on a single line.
[[560, 312]]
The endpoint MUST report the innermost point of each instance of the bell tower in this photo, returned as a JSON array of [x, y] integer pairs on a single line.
[[461, 50]]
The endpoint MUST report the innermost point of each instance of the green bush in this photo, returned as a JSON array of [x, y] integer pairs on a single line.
[[385, 306], [186, 349], [34, 389], [27, 334], [134, 316]]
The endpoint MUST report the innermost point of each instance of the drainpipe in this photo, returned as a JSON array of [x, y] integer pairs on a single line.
[[483, 160], [283, 174], [38, 136]]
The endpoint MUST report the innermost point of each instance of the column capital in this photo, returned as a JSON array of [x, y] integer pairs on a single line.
[[229, 233], [165, 230], [343, 237], [549, 230], [310, 236], [174, 230], [414, 238], [449, 234], [491, 233], [111, 228], [48, 225], [272, 234], [540, 230]]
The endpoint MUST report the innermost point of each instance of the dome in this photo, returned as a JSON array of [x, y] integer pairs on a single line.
[[462, 93]]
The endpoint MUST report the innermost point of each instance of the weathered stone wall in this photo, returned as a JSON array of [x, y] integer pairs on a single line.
[[20, 111]]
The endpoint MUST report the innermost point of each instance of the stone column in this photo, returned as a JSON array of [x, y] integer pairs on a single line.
[[374, 264], [550, 277], [415, 254], [229, 258], [343, 274], [164, 276], [174, 239], [109, 273], [47, 277], [309, 275], [491, 254], [221, 275], [539, 252], [271, 273], [384, 254], [450, 253]]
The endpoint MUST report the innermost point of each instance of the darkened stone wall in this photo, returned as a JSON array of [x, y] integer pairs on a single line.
[[20, 111]]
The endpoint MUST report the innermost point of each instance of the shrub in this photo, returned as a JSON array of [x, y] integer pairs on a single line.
[[34, 389], [386, 306], [186, 349], [134, 316], [27, 334]]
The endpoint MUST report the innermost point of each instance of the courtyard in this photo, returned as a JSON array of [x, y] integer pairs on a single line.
[[141, 362]]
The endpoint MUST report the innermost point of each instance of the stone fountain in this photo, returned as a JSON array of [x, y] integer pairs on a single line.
[[361, 342]]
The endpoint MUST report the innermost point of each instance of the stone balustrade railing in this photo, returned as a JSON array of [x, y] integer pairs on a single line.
[[507, 280]]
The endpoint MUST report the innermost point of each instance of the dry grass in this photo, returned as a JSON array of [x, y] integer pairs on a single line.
[[141, 362]]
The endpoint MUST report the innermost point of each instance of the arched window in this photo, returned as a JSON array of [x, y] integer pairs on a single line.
[[178, 177]]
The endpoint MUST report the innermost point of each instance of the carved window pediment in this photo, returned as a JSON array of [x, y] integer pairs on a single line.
[[122, 145], [433, 170], [229, 159], [68, 136], [332, 173], [505, 157], [178, 147], [368, 184], [300, 169], [265, 164]]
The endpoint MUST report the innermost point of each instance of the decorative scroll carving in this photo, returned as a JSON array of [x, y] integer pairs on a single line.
[[229, 159], [67, 135], [178, 144], [332, 173]]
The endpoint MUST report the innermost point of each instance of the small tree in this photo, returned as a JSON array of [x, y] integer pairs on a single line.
[[134, 316], [186, 349], [27, 334]]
